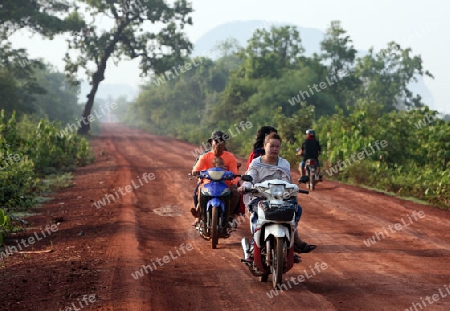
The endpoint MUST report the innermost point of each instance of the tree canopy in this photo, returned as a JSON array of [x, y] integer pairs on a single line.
[[149, 30], [41, 16]]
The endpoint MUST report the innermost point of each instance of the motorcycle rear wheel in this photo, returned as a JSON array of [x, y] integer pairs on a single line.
[[312, 181], [313, 184], [215, 227]]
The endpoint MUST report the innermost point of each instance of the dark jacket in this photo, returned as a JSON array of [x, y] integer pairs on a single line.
[[311, 149]]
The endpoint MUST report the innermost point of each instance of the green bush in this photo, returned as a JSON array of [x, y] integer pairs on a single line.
[[414, 162], [30, 151], [4, 224]]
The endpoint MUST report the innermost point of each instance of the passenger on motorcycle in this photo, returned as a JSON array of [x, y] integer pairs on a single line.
[[272, 166], [209, 160], [310, 149], [258, 145], [218, 162]]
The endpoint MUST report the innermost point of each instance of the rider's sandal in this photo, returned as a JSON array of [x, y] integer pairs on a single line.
[[304, 248], [194, 212], [297, 258]]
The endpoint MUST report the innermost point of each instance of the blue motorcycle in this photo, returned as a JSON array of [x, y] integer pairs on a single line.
[[215, 205]]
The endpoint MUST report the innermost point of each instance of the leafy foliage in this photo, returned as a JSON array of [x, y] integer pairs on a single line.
[[59, 101], [31, 150], [4, 225], [414, 160], [29, 86], [188, 98], [42, 16], [386, 76], [351, 101]]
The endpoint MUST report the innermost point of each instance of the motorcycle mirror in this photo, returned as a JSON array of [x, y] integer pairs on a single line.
[[247, 178], [303, 179]]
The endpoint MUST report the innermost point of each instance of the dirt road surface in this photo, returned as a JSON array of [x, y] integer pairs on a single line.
[[139, 251]]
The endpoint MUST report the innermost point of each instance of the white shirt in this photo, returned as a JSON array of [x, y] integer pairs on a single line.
[[261, 172]]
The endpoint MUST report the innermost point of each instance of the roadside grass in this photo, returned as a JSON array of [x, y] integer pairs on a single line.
[[388, 193]]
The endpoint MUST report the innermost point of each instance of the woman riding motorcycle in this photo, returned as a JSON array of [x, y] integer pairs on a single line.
[[267, 167]]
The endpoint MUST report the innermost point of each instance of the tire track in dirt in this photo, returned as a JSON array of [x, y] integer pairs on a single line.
[[123, 246]]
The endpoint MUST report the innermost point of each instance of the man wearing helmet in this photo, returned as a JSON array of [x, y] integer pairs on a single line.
[[310, 150]]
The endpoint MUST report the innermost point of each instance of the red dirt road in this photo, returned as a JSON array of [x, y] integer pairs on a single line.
[[97, 251]]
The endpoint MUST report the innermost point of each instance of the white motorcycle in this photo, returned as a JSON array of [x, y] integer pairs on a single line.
[[273, 249]]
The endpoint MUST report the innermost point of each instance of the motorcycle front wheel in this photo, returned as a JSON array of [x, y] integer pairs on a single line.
[[277, 262], [215, 227]]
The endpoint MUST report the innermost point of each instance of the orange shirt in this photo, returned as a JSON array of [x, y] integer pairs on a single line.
[[206, 161]]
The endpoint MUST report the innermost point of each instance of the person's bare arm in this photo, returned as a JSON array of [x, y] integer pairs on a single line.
[[198, 166]]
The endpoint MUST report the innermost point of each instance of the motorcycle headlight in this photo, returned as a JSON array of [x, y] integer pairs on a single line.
[[276, 190], [216, 175]]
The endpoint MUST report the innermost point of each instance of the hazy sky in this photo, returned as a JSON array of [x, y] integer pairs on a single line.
[[422, 25]]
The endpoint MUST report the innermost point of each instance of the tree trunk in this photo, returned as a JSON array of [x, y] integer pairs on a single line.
[[85, 124], [98, 77]]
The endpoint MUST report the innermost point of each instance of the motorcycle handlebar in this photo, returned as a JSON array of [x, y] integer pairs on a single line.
[[250, 190], [191, 176]]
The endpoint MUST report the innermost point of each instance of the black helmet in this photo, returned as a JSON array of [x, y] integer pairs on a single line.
[[218, 136], [310, 133]]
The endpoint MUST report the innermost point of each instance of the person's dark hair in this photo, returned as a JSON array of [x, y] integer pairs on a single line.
[[272, 135], [218, 136], [261, 135]]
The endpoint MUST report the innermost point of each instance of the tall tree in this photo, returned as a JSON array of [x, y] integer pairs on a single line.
[[268, 55], [270, 51], [337, 48], [227, 47], [19, 84], [386, 76], [159, 50], [60, 100], [338, 54]]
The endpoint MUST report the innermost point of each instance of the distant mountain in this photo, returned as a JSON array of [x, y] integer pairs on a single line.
[[243, 30], [311, 38], [421, 88]]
